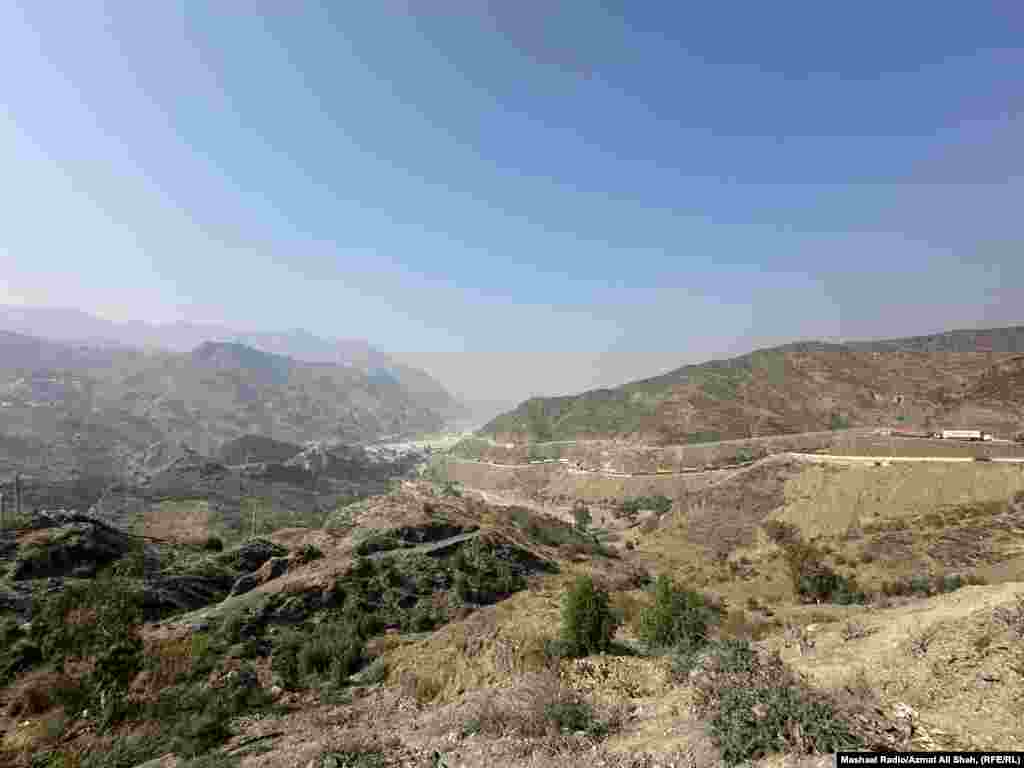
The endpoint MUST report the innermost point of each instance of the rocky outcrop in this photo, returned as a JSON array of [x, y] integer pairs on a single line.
[[168, 594], [272, 569], [251, 555], [69, 544]]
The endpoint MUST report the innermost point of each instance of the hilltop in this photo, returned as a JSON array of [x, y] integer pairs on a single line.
[[960, 377]]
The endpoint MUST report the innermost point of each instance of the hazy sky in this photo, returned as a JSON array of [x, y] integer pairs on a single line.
[[565, 190]]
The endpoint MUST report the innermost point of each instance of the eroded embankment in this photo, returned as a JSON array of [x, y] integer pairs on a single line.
[[557, 482], [861, 444], [828, 499], [620, 456]]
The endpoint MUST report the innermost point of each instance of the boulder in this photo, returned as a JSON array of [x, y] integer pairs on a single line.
[[244, 584]]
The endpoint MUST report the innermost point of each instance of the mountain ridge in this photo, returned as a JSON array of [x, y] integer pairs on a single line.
[[67, 409], [76, 327], [799, 386]]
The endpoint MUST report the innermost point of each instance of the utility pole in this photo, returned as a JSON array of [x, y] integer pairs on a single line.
[[17, 495]]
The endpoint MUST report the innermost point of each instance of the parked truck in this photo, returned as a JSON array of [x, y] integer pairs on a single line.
[[963, 434]]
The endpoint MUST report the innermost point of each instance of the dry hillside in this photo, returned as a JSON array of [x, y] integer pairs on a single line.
[[970, 378]]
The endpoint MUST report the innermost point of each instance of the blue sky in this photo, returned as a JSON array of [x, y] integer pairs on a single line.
[[519, 195]]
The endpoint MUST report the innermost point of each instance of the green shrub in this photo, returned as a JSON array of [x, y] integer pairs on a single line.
[[923, 585], [813, 580], [213, 544], [117, 666], [333, 644], [86, 619], [452, 489], [581, 515], [308, 553], [742, 736], [377, 542], [678, 618], [631, 506], [200, 716], [285, 662], [838, 421], [588, 623], [20, 657], [758, 706]]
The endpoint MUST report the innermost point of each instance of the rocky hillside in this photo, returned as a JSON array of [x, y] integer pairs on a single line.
[[425, 628], [969, 378], [95, 411]]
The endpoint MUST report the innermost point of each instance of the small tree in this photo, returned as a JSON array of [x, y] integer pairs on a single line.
[[588, 623], [678, 617], [581, 514]]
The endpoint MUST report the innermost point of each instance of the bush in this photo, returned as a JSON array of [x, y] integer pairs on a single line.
[[308, 553], [758, 706], [923, 585], [285, 662], [333, 651], [813, 580], [213, 544], [588, 623], [540, 705], [581, 515], [85, 620], [678, 618], [452, 489], [631, 506], [377, 542]]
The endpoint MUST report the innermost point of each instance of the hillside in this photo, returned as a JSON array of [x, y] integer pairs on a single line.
[[101, 411], [961, 377], [439, 621]]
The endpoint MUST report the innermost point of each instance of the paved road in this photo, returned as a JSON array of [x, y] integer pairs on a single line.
[[822, 458]]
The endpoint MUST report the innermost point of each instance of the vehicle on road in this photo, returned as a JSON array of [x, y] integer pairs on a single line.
[[963, 434]]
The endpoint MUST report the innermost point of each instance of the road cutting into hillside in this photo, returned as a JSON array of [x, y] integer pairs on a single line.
[[819, 458]]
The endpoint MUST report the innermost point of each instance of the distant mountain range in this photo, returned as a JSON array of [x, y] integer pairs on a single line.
[[79, 328], [94, 409], [963, 377]]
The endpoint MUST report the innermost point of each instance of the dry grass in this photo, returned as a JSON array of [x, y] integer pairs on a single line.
[[856, 630], [523, 710], [1012, 617], [737, 625], [183, 521]]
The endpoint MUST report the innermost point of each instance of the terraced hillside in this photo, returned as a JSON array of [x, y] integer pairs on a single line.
[[960, 378]]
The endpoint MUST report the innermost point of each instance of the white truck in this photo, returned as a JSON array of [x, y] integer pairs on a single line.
[[964, 434]]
